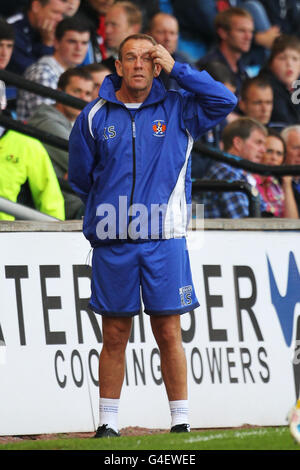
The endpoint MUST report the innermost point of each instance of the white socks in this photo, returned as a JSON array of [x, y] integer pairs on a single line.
[[109, 408], [179, 412]]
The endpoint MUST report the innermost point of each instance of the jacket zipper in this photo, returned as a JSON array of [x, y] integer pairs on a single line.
[[133, 171]]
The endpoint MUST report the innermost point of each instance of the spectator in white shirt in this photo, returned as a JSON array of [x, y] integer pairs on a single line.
[[71, 43]]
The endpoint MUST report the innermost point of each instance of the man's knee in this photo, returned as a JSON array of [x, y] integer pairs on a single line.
[[167, 330], [116, 333]]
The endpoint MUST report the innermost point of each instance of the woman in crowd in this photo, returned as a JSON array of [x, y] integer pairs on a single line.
[[279, 196]]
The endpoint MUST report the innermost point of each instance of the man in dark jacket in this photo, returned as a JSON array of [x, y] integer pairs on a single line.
[[35, 32], [234, 28]]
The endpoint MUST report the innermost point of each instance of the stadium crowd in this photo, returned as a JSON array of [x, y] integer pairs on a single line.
[[253, 47]]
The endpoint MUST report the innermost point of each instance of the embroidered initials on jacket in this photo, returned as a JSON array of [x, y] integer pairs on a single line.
[[109, 132]]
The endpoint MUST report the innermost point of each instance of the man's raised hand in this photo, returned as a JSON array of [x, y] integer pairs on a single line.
[[161, 56]]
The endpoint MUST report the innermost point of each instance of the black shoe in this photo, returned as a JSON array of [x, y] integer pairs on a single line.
[[105, 431], [181, 428]]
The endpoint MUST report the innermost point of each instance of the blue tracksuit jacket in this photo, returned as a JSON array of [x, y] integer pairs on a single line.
[[142, 162]]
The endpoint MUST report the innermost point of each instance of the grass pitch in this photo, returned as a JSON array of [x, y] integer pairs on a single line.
[[269, 438]]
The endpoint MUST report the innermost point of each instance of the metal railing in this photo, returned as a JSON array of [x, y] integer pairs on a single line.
[[234, 186], [21, 212], [238, 162], [57, 95], [31, 131], [199, 147]]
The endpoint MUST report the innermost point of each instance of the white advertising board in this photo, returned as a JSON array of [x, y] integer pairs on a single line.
[[242, 344]]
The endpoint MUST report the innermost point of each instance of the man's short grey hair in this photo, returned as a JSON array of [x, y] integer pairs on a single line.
[[137, 36], [287, 130]]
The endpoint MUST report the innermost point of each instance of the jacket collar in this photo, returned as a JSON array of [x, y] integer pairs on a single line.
[[112, 83]]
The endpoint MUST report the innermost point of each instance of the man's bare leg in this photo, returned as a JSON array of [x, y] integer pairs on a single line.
[[116, 332], [167, 332]]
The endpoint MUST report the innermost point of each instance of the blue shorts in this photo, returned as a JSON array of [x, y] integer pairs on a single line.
[[156, 271]]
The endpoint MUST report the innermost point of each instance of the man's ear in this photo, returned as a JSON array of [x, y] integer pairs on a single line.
[[157, 70], [242, 106], [222, 33], [119, 68], [237, 143]]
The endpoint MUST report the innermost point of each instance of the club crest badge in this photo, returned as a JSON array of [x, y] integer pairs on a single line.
[[159, 128]]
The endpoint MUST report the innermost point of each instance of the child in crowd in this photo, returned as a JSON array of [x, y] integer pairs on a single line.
[[282, 70]]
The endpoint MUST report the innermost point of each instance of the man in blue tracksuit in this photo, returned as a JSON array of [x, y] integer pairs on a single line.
[[130, 163]]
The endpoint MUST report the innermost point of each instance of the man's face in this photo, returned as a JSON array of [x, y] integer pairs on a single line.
[[72, 48], [98, 78], [258, 103], [52, 13], [72, 7], [240, 34], [274, 151], [254, 147], [101, 6], [80, 88], [286, 66], [293, 148], [136, 67], [165, 31], [117, 27], [6, 49]]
